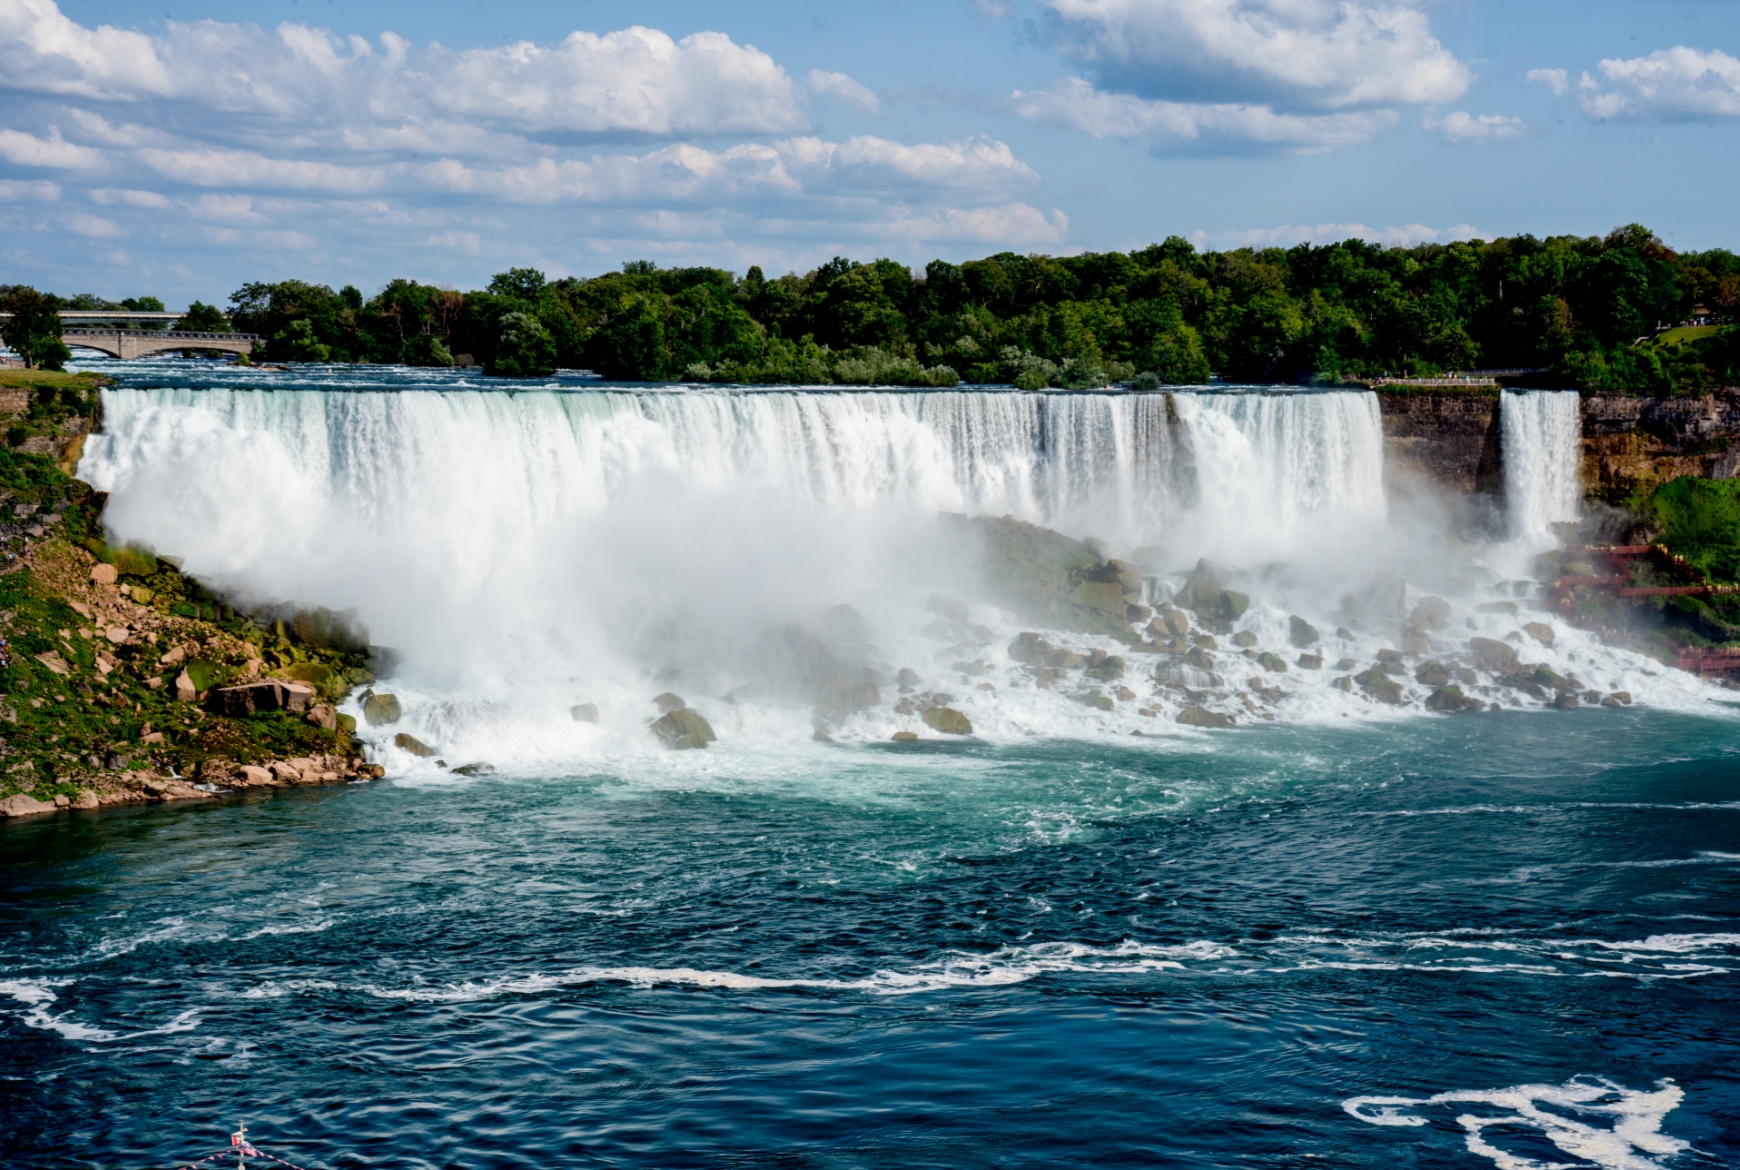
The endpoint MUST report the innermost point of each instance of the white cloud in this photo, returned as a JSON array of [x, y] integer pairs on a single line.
[[1009, 225], [1288, 235], [126, 197], [636, 81], [231, 138], [1668, 85], [1302, 54], [27, 150], [1460, 128], [92, 226], [1556, 80], [842, 88], [1075, 105], [28, 191]]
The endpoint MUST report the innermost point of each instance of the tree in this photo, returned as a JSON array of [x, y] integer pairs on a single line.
[[526, 349], [203, 318], [33, 330]]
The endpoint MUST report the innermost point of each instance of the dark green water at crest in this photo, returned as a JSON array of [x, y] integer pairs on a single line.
[[1063, 954]]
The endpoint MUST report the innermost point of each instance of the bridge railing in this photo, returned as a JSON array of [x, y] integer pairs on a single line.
[[161, 334]]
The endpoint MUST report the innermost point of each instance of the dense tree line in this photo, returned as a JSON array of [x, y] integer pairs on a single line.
[[1583, 311]]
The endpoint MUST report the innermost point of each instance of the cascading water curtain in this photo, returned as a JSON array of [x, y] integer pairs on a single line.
[[1542, 435]]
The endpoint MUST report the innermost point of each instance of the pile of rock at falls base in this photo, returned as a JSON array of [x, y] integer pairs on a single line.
[[129, 683]]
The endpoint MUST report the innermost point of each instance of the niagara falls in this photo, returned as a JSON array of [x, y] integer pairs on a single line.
[[996, 584]]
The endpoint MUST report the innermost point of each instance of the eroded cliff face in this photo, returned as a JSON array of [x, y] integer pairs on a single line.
[[1631, 446], [1449, 440]]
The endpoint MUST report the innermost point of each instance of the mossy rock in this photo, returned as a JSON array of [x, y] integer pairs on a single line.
[[412, 744], [1095, 700], [1109, 670], [1244, 639], [1301, 632], [1106, 597], [1272, 662], [948, 721], [1379, 686], [1432, 674], [1203, 717], [1451, 699], [381, 710], [683, 729], [204, 674]]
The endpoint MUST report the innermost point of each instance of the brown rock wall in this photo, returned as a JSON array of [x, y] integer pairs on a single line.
[[1633, 445], [1449, 439]]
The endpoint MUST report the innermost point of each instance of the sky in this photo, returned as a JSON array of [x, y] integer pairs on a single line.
[[183, 148]]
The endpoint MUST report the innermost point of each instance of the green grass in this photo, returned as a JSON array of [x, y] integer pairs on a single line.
[[1686, 333], [49, 378]]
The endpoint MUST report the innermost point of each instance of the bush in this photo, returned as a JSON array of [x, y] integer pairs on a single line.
[[1700, 521], [133, 561]]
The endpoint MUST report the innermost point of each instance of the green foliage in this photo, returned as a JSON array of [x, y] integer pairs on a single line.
[[203, 318], [34, 328], [1700, 520], [525, 350], [1574, 307]]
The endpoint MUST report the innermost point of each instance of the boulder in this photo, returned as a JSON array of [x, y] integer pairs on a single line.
[[1617, 699], [246, 699], [905, 737], [1109, 669], [298, 697], [1137, 614], [1310, 662], [1272, 662], [1432, 614], [908, 677], [1508, 607], [1106, 597], [410, 743], [1202, 717], [1200, 658], [1301, 632], [1245, 639], [667, 702], [86, 800], [845, 625], [1451, 699], [323, 715], [380, 710], [1566, 701], [1095, 700], [1379, 686], [1169, 620], [683, 729], [174, 658], [21, 805], [584, 712], [1432, 674], [792, 663], [185, 691], [477, 769], [104, 574], [948, 721], [947, 608], [1540, 632], [1490, 654]]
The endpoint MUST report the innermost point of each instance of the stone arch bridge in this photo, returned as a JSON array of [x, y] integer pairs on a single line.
[[130, 335]]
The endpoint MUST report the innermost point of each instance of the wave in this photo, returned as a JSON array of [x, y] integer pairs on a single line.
[[1599, 1121]]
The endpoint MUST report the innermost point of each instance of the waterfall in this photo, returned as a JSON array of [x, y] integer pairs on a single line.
[[1542, 435], [1277, 472], [460, 521]]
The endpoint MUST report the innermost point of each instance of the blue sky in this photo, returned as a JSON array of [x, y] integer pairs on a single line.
[[183, 149]]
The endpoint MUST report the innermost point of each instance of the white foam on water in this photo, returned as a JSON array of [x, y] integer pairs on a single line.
[[1599, 1122], [36, 995]]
